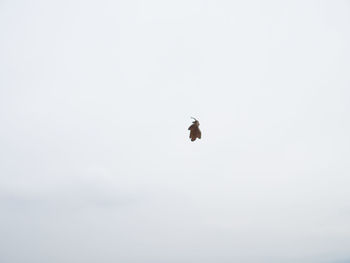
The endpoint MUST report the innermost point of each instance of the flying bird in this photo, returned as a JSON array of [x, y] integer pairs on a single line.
[[195, 132]]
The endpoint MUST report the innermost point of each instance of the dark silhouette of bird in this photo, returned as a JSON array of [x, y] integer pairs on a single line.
[[195, 132]]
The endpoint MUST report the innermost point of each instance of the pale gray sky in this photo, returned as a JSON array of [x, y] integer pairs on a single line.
[[95, 161]]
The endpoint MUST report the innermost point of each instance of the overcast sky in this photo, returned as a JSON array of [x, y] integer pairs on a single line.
[[95, 161]]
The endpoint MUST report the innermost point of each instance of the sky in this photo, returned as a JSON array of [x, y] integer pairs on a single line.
[[95, 160]]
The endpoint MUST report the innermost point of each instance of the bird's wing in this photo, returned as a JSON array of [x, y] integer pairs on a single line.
[[195, 133], [192, 135], [191, 127]]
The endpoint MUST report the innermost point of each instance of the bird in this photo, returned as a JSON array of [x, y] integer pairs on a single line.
[[195, 132]]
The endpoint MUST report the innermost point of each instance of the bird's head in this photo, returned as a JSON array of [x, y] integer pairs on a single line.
[[195, 121]]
